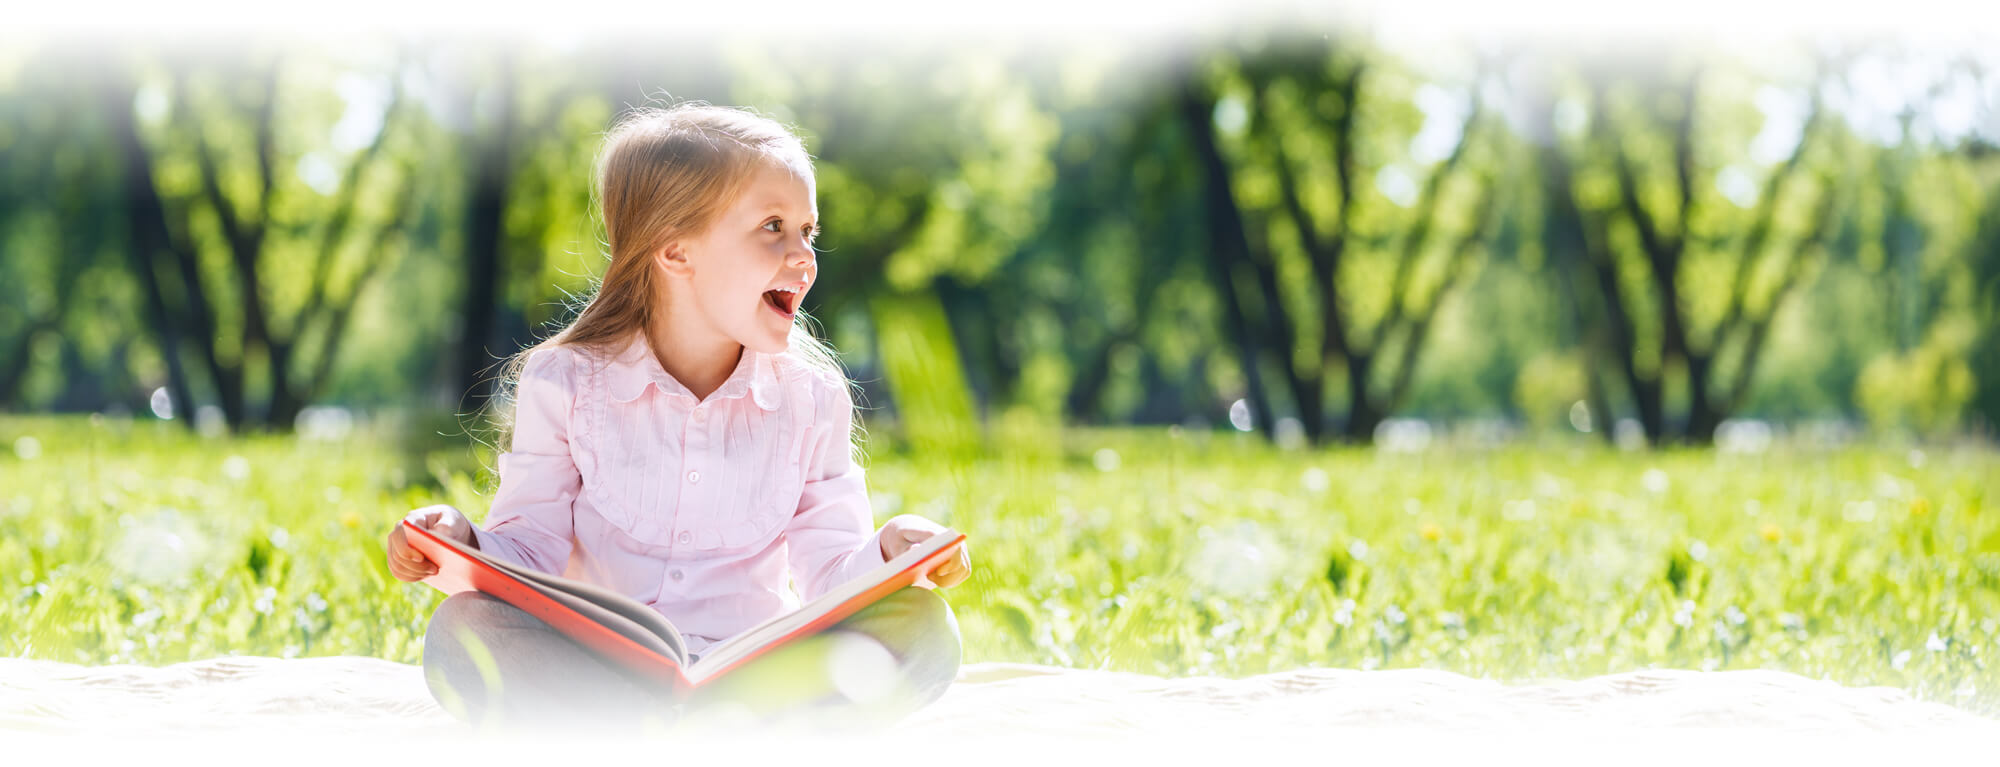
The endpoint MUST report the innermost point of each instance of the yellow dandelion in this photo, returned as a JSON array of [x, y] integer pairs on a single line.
[[350, 520], [1771, 532], [1919, 507], [1430, 531]]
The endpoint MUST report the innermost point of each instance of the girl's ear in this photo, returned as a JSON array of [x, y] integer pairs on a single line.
[[673, 260]]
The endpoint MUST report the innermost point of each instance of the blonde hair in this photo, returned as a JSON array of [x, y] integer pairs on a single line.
[[663, 174]]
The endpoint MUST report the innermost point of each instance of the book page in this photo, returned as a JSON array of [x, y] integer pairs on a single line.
[[607, 608], [751, 640]]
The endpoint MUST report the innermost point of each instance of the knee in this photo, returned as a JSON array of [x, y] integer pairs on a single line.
[[464, 610], [911, 612], [458, 637], [919, 628], [925, 608], [459, 667], [466, 604]]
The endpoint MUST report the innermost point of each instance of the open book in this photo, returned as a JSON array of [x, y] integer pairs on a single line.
[[635, 636]]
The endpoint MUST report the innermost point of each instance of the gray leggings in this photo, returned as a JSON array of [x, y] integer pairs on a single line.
[[492, 665]]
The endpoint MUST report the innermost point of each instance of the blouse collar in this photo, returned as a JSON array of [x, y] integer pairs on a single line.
[[635, 367]]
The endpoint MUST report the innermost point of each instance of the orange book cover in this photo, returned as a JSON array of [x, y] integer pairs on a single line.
[[637, 637]]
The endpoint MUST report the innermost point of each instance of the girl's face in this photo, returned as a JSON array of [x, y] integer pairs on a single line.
[[750, 271]]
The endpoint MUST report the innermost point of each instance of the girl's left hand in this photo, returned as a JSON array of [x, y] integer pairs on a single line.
[[906, 530]]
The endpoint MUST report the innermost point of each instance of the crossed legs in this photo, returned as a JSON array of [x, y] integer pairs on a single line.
[[490, 664]]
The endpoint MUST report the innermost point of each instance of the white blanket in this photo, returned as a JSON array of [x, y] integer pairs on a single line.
[[339, 710]]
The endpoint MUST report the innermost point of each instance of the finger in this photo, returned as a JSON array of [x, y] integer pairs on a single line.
[[434, 516], [408, 577], [405, 551], [398, 547], [415, 573], [951, 579], [411, 575], [411, 557], [404, 564]]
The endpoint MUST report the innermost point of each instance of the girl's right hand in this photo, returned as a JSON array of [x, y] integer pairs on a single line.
[[408, 564]]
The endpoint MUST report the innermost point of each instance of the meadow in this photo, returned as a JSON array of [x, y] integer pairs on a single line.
[[1162, 551]]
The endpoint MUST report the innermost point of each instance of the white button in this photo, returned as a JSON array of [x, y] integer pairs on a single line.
[[700, 413], [685, 537], [676, 574], [694, 476]]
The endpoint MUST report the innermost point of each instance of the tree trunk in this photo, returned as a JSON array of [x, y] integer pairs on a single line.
[[1227, 243], [147, 239], [485, 222]]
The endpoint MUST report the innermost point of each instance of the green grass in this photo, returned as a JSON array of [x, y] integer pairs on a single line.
[[1157, 551]]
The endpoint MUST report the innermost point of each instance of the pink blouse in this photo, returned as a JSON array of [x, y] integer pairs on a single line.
[[700, 509]]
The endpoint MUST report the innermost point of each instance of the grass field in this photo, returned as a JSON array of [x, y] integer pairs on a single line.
[[1158, 551]]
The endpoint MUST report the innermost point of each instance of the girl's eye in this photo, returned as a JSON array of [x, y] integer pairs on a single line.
[[774, 225]]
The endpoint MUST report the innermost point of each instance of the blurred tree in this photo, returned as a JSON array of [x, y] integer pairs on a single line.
[[149, 246], [221, 214], [1303, 95], [1650, 246], [1984, 258], [491, 169], [1927, 227], [58, 222], [1080, 310], [1120, 215]]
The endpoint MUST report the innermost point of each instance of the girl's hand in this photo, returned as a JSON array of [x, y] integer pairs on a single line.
[[906, 530], [408, 564]]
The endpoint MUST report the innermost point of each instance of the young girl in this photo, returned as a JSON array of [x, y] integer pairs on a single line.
[[687, 443]]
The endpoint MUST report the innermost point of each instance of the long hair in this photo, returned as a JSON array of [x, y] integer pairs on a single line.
[[663, 174]]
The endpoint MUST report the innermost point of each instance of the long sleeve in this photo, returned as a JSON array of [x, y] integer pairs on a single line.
[[529, 523], [832, 538]]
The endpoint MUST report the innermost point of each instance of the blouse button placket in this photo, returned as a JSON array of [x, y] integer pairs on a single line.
[[694, 442]]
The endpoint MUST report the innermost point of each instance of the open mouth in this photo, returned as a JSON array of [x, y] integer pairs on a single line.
[[782, 301]]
